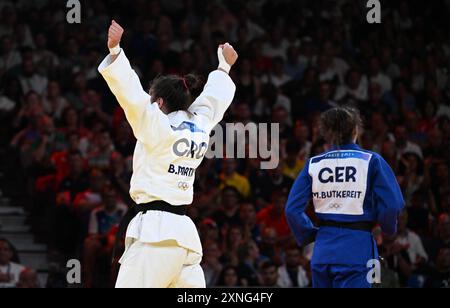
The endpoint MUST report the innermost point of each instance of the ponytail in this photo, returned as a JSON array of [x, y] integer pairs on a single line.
[[338, 125]]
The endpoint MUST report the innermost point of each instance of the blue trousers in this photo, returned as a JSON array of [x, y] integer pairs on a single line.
[[339, 276]]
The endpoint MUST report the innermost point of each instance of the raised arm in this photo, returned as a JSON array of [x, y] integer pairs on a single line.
[[219, 89], [126, 86]]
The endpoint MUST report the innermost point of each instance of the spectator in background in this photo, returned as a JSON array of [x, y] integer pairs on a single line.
[[269, 275], [403, 144], [234, 238], [99, 243], [102, 148], [124, 139], [230, 177], [28, 279], [30, 80], [389, 153], [61, 159], [10, 57], [440, 181], [277, 77], [119, 175], [355, 89], [301, 139], [443, 239], [249, 261], [9, 270], [71, 123], [269, 245], [281, 116], [77, 180], [440, 277], [397, 258], [324, 101], [292, 164], [381, 132], [229, 278], [377, 75], [276, 46], [30, 110], [248, 219], [228, 212], [375, 100], [248, 85], [268, 182], [293, 67], [53, 102], [209, 231], [211, 263], [89, 199], [388, 64], [292, 274], [327, 74], [412, 126], [46, 60], [411, 169], [412, 242], [273, 215]]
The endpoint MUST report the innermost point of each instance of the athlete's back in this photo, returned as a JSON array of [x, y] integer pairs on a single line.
[[162, 247], [352, 190]]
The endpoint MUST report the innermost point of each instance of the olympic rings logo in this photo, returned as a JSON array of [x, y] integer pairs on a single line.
[[183, 186], [334, 206]]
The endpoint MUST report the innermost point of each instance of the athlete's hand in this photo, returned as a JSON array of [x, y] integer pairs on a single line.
[[229, 53], [114, 34], [227, 56]]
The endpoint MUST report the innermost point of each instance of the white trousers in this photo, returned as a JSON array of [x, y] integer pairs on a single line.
[[160, 265]]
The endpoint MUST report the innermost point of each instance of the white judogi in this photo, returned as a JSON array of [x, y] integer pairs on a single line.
[[169, 148]]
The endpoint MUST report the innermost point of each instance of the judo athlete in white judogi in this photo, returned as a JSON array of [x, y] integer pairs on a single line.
[[162, 246]]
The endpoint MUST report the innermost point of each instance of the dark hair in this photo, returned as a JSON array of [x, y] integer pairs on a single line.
[[243, 251], [338, 124], [221, 280], [267, 264], [174, 90], [232, 189], [420, 167], [107, 189], [15, 254]]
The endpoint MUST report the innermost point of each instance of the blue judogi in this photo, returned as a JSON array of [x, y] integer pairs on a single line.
[[347, 185]]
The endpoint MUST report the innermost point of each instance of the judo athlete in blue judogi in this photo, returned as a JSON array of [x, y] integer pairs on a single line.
[[352, 190]]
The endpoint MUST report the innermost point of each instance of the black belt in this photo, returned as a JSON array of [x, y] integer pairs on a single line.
[[138, 208], [359, 225]]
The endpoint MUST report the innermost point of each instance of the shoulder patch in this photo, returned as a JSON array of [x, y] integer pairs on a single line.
[[189, 126]]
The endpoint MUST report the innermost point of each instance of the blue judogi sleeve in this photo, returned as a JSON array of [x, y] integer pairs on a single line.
[[387, 195], [300, 224]]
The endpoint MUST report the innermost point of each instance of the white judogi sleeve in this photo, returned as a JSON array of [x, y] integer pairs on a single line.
[[215, 98], [146, 119]]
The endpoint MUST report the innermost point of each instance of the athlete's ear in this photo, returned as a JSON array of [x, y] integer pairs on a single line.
[[160, 102]]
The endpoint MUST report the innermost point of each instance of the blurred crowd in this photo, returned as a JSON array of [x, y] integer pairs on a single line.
[[298, 58]]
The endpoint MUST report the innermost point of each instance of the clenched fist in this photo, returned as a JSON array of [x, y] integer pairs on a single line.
[[114, 34], [229, 53]]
